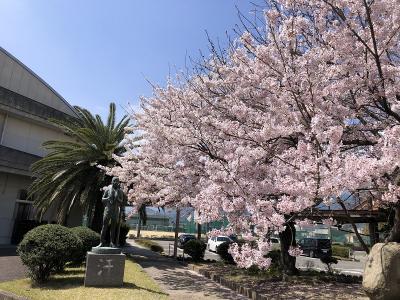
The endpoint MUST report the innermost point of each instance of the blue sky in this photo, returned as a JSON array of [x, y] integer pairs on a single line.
[[93, 51]]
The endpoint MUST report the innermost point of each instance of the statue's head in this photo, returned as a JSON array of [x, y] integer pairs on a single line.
[[115, 182]]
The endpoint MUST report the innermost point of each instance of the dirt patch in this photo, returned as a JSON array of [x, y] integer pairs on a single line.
[[308, 285]]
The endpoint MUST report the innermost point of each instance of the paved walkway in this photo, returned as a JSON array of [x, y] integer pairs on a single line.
[[177, 280], [11, 266]]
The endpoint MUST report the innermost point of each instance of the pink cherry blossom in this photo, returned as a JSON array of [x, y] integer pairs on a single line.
[[295, 251], [290, 118]]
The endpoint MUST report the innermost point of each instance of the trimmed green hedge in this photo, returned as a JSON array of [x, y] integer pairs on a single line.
[[341, 251], [153, 246], [223, 253], [46, 249], [89, 239], [195, 248]]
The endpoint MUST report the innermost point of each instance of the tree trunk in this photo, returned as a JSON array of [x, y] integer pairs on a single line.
[[198, 231], [394, 235], [178, 212], [351, 221], [96, 216], [287, 238], [373, 233], [139, 226]]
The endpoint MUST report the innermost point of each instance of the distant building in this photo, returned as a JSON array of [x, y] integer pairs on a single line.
[[26, 104]]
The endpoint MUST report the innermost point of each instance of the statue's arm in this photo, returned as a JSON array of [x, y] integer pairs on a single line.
[[106, 196]]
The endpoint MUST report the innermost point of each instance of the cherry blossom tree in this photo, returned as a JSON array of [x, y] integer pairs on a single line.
[[302, 108]]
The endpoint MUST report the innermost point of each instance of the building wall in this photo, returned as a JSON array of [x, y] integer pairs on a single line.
[[2, 118], [16, 77], [10, 185], [28, 136], [26, 104]]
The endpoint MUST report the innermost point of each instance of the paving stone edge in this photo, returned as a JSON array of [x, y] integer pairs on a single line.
[[10, 296], [245, 291]]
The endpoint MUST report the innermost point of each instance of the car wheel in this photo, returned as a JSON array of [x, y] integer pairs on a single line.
[[312, 254]]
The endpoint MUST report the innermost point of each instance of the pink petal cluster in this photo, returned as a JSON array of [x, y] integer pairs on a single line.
[[295, 251], [246, 256], [329, 222], [292, 117]]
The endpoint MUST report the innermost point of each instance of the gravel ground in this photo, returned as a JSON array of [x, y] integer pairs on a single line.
[[299, 287]]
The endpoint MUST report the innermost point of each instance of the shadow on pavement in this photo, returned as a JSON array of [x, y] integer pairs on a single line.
[[175, 276]]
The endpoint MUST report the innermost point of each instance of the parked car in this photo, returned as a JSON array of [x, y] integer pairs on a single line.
[[234, 238], [215, 241], [316, 247], [184, 238], [275, 243]]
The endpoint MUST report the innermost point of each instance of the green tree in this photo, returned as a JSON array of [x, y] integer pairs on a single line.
[[68, 175]]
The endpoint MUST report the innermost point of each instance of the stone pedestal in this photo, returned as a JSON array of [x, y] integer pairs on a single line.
[[105, 267]]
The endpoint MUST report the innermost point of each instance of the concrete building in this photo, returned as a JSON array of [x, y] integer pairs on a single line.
[[26, 104]]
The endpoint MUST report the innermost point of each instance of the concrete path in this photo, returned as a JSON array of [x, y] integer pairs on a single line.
[[177, 280], [343, 266], [11, 266]]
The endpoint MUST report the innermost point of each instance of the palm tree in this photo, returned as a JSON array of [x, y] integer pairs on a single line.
[[69, 174]]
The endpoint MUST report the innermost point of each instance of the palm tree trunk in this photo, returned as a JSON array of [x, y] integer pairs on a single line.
[[96, 216]]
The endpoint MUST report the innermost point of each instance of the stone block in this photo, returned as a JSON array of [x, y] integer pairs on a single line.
[[381, 279], [104, 269]]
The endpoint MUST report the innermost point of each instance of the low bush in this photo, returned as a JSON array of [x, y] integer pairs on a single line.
[[46, 249], [341, 251], [222, 251], [275, 256], [153, 246], [195, 248], [89, 239], [329, 260]]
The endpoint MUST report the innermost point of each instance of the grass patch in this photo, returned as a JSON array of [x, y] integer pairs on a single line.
[[69, 285], [152, 245]]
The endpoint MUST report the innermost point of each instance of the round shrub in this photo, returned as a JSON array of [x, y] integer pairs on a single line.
[[46, 249], [275, 256], [222, 251], [149, 244], [196, 249], [329, 260], [156, 248], [89, 239]]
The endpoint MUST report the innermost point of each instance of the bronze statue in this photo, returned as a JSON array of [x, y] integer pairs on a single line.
[[113, 199]]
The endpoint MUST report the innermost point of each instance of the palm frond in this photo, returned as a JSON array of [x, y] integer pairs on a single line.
[[68, 174]]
